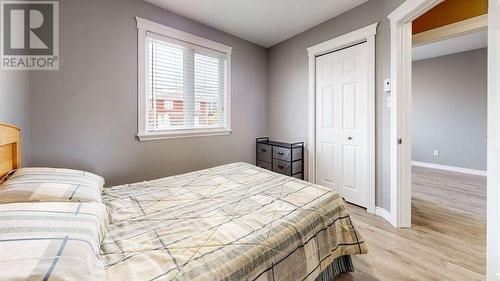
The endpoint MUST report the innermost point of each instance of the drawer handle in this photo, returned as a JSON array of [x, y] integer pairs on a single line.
[[264, 150], [281, 167], [281, 153]]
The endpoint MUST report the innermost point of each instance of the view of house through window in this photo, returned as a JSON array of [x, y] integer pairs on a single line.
[[186, 86]]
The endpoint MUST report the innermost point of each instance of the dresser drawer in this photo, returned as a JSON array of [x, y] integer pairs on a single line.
[[282, 167], [297, 153], [264, 152], [264, 165], [280, 157], [297, 167], [282, 153]]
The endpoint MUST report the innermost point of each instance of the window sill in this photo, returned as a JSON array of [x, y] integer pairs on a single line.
[[183, 134]]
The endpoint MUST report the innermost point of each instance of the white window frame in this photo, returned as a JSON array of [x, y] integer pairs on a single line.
[[144, 26]]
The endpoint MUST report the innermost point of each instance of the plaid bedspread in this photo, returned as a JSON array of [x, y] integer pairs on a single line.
[[233, 222], [52, 241]]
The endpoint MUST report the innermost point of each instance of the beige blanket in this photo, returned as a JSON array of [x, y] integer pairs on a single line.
[[233, 222]]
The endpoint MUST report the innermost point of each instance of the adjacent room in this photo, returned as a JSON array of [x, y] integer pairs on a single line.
[[449, 127], [282, 140]]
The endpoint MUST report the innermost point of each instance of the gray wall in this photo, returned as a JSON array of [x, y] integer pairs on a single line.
[[85, 115], [70, 109], [288, 70], [449, 110], [14, 98]]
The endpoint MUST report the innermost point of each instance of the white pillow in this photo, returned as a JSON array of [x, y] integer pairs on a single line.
[[51, 185]]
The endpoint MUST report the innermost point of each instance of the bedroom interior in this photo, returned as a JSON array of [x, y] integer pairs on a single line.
[[221, 140]]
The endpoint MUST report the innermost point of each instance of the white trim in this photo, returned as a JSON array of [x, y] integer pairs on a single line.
[[493, 180], [310, 173], [141, 81], [184, 134], [449, 168], [401, 45], [381, 212], [146, 26], [371, 89], [343, 41], [228, 91], [452, 30], [358, 36]]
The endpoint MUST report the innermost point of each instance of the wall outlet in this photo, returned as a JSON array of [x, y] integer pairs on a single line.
[[436, 153]]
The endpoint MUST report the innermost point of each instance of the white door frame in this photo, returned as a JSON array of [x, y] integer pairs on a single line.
[[401, 79], [401, 52], [493, 215], [366, 34]]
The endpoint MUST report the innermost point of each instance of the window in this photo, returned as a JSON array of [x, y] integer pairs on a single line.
[[183, 84]]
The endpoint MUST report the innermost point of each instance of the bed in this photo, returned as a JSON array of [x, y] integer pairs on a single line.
[[231, 222], [43, 239]]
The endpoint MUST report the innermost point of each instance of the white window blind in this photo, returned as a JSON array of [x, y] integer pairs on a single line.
[[191, 78], [185, 86]]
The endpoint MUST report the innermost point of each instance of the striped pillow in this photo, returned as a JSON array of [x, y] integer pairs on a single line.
[[51, 185], [52, 241]]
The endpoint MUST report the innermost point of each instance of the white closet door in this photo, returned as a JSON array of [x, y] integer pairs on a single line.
[[341, 122]]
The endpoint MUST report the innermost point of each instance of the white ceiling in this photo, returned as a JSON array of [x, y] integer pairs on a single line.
[[468, 42], [264, 22]]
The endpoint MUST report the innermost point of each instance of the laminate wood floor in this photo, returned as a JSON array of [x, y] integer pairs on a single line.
[[447, 240]]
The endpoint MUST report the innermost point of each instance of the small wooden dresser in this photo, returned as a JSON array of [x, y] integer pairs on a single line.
[[280, 157]]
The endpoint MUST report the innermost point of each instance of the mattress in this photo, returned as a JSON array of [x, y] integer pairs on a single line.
[[232, 222]]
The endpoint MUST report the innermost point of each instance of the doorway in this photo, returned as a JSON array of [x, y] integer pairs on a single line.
[[401, 76]]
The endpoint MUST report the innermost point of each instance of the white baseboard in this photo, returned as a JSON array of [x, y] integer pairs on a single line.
[[449, 168], [381, 212]]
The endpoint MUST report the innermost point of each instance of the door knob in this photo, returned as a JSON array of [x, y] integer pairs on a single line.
[[349, 138]]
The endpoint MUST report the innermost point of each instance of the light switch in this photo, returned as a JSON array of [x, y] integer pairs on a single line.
[[387, 85]]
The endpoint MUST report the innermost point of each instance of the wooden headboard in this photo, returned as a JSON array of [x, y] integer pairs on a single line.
[[10, 149]]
